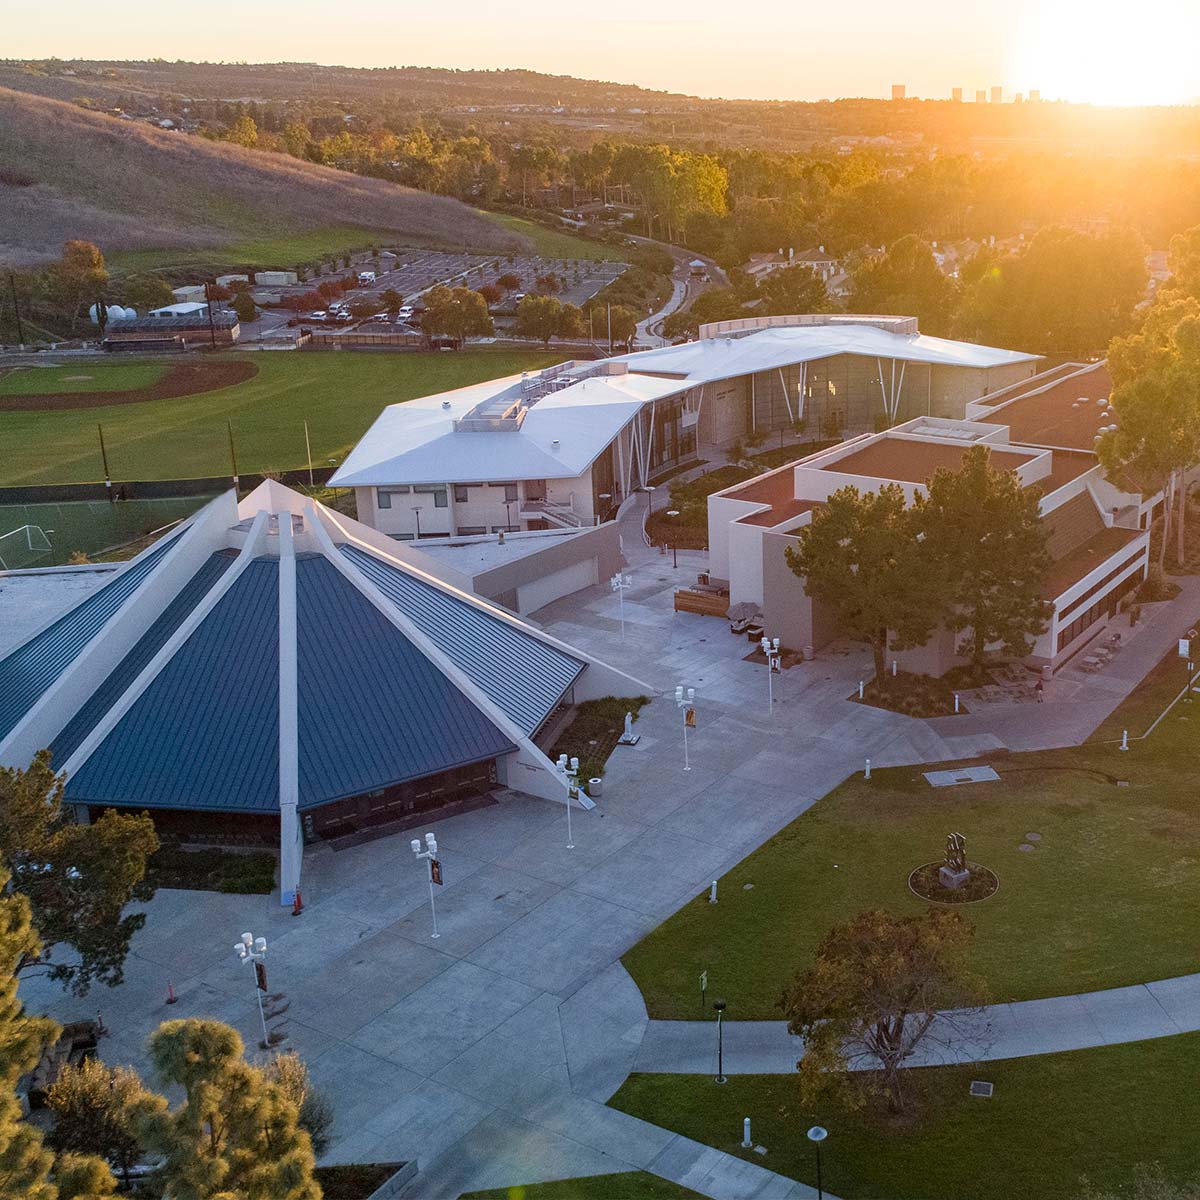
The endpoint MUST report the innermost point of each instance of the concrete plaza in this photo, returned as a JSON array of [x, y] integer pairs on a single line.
[[488, 1053]]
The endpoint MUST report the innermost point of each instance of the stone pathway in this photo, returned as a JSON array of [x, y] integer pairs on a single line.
[[1049, 1026]]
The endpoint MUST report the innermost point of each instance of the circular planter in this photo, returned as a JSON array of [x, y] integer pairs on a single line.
[[924, 883]]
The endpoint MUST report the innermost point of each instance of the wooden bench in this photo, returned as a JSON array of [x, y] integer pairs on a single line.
[[705, 604]]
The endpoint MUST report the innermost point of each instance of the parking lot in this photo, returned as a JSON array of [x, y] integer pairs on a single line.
[[414, 272]]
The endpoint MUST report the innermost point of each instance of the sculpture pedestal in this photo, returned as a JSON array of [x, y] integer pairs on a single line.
[[952, 879]]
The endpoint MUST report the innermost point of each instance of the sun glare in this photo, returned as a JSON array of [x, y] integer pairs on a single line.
[[1111, 51]]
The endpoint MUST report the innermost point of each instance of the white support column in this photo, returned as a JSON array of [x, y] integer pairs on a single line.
[[291, 841], [899, 393], [803, 389], [786, 398], [882, 387]]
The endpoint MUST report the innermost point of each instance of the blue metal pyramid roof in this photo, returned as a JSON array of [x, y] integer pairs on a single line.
[[205, 732], [132, 665], [522, 675], [373, 709], [32, 668]]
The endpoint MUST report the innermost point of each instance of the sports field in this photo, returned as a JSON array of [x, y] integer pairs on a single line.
[[82, 378], [184, 437]]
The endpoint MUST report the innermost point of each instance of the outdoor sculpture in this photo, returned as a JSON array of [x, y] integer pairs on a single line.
[[953, 872], [629, 738]]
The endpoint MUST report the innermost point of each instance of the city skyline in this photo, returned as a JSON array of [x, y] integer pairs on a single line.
[[1065, 49]]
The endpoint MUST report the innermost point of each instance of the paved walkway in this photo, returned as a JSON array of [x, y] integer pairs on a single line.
[[1128, 1014], [489, 1053]]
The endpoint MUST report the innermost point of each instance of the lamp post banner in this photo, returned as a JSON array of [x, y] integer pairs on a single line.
[[435, 871], [260, 976]]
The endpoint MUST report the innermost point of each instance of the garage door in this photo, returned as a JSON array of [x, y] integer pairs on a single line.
[[553, 587]]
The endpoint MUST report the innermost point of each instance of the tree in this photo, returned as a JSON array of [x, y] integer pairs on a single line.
[[794, 290], [1156, 394], [860, 556], [716, 304], [93, 1107], [509, 281], [622, 323], [26, 1165], [144, 292], [1065, 292], [457, 313], [235, 1133], [546, 317], [78, 878], [871, 997], [365, 306], [245, 308], [491, 294], [77, 279], [243, 132], [906, 281], [393, 301], [549, 284], [983, 531], [315, 1113]]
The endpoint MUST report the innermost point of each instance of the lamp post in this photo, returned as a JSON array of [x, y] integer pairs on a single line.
[[508, 514], [770, 648], [685, 698], [817, 1135], [619, 583], [673, 513], [649, 490], [254, 950], [430, 856], [719, 1005], [417, 514], [570, 772]]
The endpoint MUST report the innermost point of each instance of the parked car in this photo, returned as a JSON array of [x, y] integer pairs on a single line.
[[317, 317]]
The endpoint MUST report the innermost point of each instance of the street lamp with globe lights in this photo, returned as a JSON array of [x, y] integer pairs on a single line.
[[569, 769], [429, 854], [620, 584], [817, 1135], [254, 950], [673, 513], [719, 1007], [770, 649]]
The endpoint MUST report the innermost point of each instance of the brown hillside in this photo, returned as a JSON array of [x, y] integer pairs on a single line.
[[68, 173]]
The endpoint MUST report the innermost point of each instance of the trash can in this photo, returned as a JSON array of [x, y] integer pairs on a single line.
[[595, 788], [1047, 674]]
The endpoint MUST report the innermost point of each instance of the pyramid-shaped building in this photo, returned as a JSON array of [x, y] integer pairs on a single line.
[[273, 671]]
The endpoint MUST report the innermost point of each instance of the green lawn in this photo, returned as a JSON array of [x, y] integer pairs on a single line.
[[630, 1185], [1052, 1120], [80, 377], [1107, 898], [555, 243], [338, 394], [281, 251]]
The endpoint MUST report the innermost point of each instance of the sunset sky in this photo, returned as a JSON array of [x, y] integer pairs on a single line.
[[1102, 51]]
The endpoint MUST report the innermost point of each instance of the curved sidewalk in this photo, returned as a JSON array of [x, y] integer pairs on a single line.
[[1018, 1030]]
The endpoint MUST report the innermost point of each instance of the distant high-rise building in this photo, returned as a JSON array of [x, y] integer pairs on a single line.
[[980, 96], [956, 95], [997, 95], [1035, 95], [898, 91]]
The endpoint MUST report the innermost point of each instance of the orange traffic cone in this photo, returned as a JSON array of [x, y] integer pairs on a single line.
[[171, 997], [297, 904]]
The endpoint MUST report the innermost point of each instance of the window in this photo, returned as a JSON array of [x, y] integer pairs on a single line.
[[506, 529], [437, 491], [461, 495], [510, 490], [471, 530], [383, 495]]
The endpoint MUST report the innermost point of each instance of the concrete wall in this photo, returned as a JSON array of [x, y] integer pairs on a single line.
[[601, 543], [952, 388], [723, 413]]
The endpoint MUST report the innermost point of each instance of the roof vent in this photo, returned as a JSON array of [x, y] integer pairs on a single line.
[[1075, 404], [555, 443], [1099, 399], [446, 404]]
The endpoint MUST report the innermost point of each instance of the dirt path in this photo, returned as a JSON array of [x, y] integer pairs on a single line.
[[185, 379]]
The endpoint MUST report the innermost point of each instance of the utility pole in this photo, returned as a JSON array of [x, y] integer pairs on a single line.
[[12, 283], [212, 341], [104, 460], [232, 455], [610, 329]]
